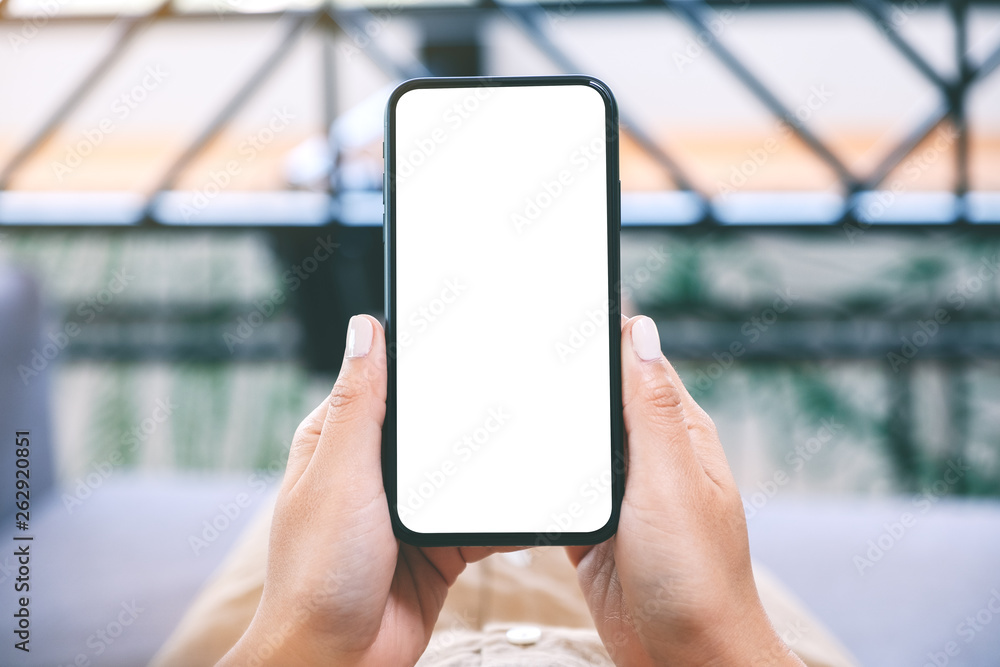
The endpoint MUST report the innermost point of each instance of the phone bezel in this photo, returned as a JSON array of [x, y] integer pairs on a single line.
[[614, 316]]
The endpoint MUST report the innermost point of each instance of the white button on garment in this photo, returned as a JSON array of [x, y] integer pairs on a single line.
[[524, 635]]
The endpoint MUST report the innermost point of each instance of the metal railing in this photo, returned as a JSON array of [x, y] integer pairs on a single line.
[[686, 206], [697, 330]]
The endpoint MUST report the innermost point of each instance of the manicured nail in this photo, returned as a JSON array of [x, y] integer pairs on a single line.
[[645, 339], [359, 337]]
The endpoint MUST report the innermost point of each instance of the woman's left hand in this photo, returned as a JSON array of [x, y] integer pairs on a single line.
[[339, 588]]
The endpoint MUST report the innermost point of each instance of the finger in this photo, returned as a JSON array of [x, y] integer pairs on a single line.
[[348, 450], [702, 435], [451, 561], [660, 453], [304, 443], [624, 321], [577, 553], [475, 554]]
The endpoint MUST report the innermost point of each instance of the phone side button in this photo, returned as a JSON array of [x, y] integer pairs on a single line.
[[619, 204]]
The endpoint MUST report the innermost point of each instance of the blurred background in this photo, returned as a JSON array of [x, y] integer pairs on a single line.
[[190, 212]]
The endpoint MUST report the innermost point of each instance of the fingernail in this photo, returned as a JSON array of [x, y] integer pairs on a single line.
[[645, 339], [359, 337]]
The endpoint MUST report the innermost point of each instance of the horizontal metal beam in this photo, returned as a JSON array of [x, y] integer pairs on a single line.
[[691, 333], [64, 16], [284, 209], [822, 338]]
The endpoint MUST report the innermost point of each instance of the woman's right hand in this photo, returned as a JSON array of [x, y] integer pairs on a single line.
[[674, 585]]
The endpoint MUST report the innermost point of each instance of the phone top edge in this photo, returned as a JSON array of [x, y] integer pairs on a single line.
[[426, 82]]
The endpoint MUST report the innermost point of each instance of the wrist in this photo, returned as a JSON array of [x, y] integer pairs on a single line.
[[746, 641], [757, 643], [281, 645]]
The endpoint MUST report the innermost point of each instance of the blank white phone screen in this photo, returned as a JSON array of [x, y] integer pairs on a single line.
[[501, 283]]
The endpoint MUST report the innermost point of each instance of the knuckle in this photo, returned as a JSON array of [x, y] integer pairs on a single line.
[[703, 425], [345, 397], [307, 430], [661, 399], [662, 394]]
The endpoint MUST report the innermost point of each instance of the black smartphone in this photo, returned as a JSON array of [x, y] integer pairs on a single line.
[[502, 310]]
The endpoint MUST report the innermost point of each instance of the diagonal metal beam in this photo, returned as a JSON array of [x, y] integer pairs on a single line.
[[528, 24], [916, 136], [876, 10], [989, 65], [391, 66], [298, 27], [77, 94], [968, 75], [692, 12]]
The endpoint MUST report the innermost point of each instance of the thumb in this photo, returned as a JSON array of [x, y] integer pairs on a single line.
[[347, 447], [660, 452]]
